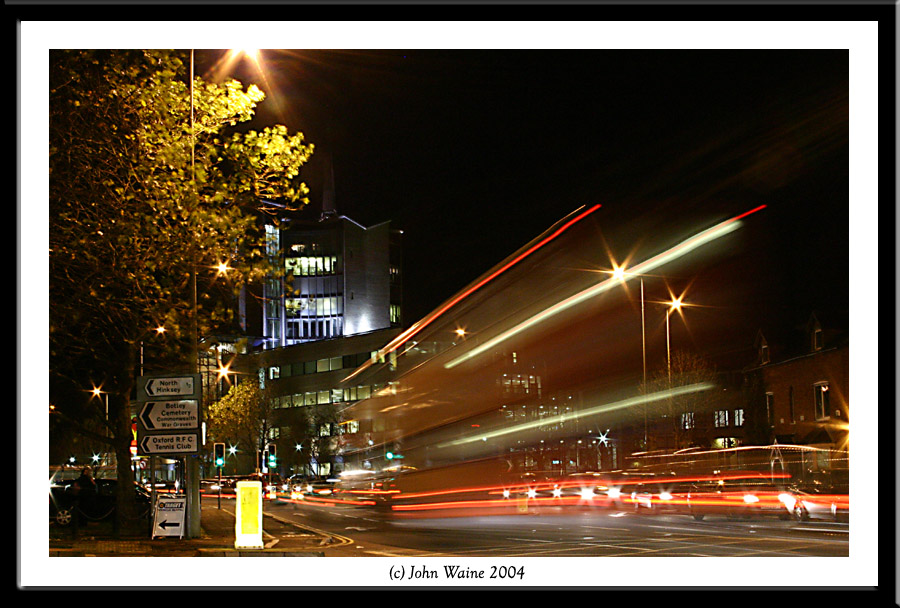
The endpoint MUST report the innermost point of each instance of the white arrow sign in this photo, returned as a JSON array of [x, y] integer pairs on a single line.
[[170, 387], [170, 415], [175, 443], [168, 518]]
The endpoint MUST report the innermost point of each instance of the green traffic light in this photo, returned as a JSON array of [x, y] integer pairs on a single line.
[[389, 455]]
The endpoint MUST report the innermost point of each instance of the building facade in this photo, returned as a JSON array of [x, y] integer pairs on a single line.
[[337, 278], [804, 394], [334, 301]]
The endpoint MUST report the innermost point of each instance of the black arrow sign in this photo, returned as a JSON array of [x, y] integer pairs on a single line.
[[168, 524], [145, 416]]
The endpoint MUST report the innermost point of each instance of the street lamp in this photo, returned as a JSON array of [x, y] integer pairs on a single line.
[[674, 305]]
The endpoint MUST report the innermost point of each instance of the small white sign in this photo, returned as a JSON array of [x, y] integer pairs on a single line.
[[168, 516], [170, 387], [170, 415], [174, 443]]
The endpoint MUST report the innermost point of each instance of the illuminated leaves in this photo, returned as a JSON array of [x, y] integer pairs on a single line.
[[132, 215]]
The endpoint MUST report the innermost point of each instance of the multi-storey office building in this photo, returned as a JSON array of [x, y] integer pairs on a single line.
[[339, 279], [334, 302]]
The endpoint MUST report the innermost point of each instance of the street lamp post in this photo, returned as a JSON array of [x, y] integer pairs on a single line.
[[673, 305]]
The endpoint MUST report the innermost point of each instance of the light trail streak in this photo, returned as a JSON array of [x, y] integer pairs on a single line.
[[417, 327], [670, 255], [599, 409]]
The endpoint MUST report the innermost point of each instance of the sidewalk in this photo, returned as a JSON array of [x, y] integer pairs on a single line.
[[216, 539]]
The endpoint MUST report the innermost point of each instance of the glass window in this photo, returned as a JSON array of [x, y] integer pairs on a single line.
[[791, 405], [310, 398], [739, 417], [363, 392], [323, 397], [721, 418], [337, 363], [337, 395], [770, 408], [822, 400], [309, 367], [322, 365]]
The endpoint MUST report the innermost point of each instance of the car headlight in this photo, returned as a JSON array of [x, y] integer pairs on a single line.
[[750, 498], [787, 500]]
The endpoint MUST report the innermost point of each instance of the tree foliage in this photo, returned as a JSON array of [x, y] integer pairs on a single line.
[[686, 369], [242, 417], [144, 202]]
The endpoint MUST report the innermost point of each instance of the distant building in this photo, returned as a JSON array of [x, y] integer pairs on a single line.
[[335, 300], [303, 384], [340, 279], [802, 389]]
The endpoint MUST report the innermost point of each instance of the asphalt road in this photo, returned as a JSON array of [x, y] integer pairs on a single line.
[[561, 532]]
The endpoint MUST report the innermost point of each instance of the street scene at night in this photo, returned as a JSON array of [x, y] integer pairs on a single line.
[[454, 317]]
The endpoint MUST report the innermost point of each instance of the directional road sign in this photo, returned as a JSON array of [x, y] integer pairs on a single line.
[[183, 415], [186, 386], [168, 443], [168, 517]]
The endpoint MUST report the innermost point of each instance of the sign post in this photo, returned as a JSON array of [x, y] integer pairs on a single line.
[[169, 425]]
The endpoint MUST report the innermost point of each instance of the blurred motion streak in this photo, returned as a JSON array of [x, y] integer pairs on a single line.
[[645, 267], [417, 327], [600, 409]]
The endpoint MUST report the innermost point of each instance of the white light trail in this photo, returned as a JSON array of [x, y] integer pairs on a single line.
[[592, 411], [665, 257]]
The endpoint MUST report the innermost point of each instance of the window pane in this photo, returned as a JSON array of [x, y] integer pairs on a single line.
[[322, 365]]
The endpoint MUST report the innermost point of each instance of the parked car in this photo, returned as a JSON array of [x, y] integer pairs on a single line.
[[102, 505]]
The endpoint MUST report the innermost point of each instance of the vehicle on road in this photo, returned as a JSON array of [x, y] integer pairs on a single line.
[[740, 497]]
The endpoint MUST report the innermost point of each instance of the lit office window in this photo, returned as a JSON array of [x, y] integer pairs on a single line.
[[721, 418]]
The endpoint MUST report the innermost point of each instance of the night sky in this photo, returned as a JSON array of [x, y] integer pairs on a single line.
[[474, 153]]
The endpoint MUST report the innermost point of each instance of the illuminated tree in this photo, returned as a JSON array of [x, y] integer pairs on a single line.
[[144, 202], [242, 417]]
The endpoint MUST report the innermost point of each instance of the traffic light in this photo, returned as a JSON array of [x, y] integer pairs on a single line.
[[219, 454], [389, 455], [272, 459]]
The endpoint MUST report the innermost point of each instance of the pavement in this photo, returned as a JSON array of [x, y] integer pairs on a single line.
[[281, 538]]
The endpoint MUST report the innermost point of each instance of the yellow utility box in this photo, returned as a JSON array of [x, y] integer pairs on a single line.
[[248, 515]]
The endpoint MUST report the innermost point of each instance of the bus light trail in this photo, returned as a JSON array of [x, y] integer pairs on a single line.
[[417, 327], [670, 255], [599, 409]]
